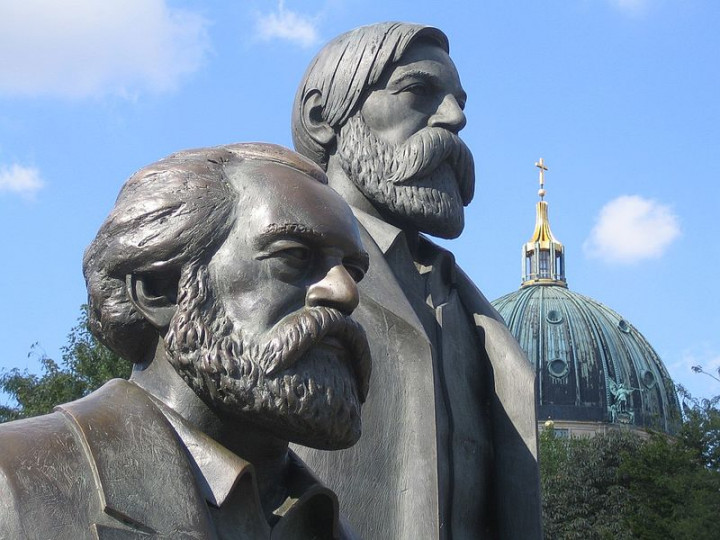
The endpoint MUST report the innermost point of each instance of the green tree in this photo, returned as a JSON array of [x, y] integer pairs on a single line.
[[582, 497], [700, 432], [622, 485], [675, 483], [86, 365], [673, 494]]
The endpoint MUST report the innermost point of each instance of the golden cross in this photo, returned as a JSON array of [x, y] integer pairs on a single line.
[[541, 165]]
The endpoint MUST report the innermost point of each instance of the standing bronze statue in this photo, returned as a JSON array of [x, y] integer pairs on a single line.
[[227, 275], [450, 440]]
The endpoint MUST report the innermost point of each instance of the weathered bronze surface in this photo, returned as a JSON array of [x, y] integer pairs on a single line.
[[228, 276], [449, 445]]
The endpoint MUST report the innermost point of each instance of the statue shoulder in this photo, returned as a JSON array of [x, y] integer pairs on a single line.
[[22, 440], [473, 298], [43, 474], [47, 483]]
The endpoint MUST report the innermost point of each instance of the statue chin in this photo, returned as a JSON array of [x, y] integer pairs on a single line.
[[431, 225], [431, 204], [323, 405], [425, 197]]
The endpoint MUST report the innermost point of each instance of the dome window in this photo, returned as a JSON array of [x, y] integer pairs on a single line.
[[554, 316], [558, 368], [544, 272], [648, 379], [624, 326]]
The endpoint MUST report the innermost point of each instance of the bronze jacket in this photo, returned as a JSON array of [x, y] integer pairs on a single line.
[[111, 466], [387, 484]]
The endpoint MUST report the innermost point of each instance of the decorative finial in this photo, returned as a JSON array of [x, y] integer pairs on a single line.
[[541, 165], [543, 255]]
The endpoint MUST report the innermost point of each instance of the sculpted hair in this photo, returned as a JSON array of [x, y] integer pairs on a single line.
[[344, 70], [169, 215]]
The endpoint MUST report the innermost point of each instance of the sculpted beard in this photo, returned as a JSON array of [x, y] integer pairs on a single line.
[[423, 182], [280, 382]]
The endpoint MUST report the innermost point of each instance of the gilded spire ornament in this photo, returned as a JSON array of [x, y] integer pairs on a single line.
[[540, 164], [543, 255]]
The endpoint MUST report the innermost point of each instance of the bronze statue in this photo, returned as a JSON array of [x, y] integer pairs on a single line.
[[450, 440], [227, 275]]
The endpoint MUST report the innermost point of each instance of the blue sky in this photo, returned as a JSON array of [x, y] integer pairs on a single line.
[[620, 97]]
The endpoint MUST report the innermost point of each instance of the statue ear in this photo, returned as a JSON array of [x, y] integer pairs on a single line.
[[318, 129], [153, 296]]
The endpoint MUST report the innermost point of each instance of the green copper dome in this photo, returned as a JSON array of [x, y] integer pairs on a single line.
[[592, 365]]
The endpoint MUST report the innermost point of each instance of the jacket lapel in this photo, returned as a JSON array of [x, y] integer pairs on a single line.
[[380, 286], [514, 376], [146, 486]]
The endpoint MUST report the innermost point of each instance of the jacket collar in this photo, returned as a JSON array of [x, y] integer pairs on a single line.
[[216, 468], [380, 285], [138, 495], [125, 436], [219, 473]]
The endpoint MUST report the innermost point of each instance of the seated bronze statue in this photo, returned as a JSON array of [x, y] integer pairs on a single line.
[[227, 275]]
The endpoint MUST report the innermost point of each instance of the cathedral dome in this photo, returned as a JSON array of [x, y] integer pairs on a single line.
[[592, 365]]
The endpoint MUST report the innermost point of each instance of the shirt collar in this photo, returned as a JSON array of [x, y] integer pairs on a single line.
[[217, 471], [216, 468], [389, 237], [439, 260], [384, 234]]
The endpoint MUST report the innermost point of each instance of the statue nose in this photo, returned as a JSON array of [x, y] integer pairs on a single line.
[[337, 290], [449, 115]]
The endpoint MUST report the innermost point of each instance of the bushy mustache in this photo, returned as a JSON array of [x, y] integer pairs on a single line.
[[297, 333], [423, 153]]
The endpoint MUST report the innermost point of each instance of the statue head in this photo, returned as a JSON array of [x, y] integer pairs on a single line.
[[384, 104], [240, 264]]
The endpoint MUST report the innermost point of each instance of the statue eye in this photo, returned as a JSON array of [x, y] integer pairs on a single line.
[[418, 88], [289, 253], [297, 256], [288, 261], [356, 272]]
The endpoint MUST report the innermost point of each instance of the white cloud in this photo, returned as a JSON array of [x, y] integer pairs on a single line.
[[23, 181], [631, 228], [83, 48], [287, 25]]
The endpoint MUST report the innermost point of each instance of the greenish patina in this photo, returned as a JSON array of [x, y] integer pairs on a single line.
[[592, 365]]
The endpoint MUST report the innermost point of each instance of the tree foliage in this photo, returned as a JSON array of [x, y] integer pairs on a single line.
[[582, 497], [673, 494], [622, 485], [700, 432], [86, 364]]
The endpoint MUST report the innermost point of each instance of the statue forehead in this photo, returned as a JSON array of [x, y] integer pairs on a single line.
[[426, 43], [271, 192], [424, 55]]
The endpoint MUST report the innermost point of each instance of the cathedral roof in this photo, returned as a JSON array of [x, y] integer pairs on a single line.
[[591, 363]]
